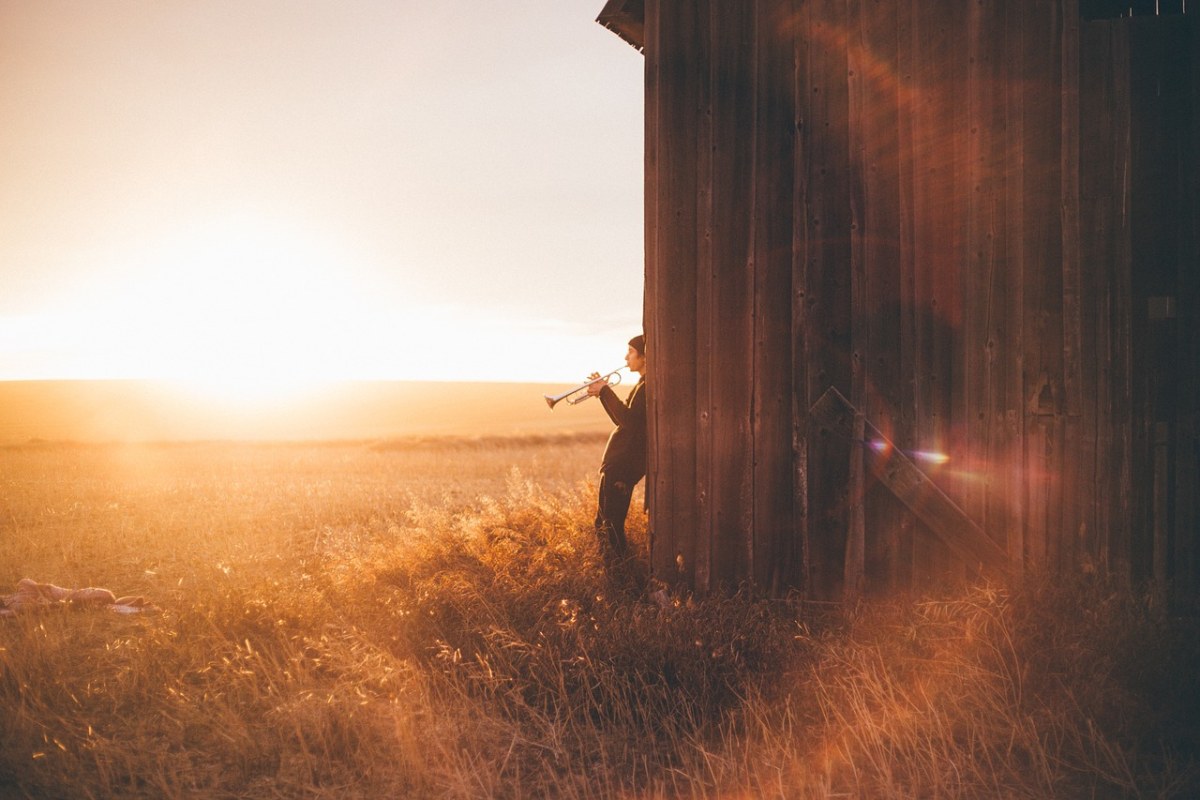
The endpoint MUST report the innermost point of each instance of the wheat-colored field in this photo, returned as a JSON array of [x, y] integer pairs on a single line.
[[426, 617], [149, 411]]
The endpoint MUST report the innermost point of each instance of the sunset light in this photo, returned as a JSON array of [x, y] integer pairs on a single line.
[[256, 198], [229, 299], [889, 317]]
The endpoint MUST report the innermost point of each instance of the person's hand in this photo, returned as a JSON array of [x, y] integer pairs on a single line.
[[596, 384]]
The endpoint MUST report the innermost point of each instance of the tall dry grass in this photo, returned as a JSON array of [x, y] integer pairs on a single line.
[[1055, 690], [428, 618]]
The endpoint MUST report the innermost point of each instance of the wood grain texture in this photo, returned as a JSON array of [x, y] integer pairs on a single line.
[[959, 217]]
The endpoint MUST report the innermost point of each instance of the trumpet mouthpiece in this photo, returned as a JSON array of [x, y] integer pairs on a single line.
[[550, 401]]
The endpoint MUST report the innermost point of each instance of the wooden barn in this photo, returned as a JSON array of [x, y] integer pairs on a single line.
[[922, 290]]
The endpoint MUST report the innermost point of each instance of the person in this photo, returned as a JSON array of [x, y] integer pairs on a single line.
[[624, 460]]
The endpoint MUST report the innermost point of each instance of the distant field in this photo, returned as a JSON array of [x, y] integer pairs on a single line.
[[105, 411]]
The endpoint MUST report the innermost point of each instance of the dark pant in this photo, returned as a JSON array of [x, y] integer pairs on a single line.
[[615, 495]]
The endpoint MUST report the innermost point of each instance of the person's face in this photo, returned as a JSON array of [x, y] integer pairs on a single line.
[[635, 361]]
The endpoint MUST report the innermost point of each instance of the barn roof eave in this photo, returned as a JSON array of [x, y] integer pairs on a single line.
[[625, 18]]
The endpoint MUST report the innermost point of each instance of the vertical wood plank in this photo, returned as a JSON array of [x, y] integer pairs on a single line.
[[708, 265], [907, 135], [1155, 142], [1053, 38], [936, 280], [855, 562], [1043, 281], [964, 145], [885, 388], [732, 335], [1187, 511], [1011, 444], [977, 262], [655, 487], [689, 40], [773, 150], [798, 24], [1078, 447], [1181, 405], [992, 462], [925, 115], [828, 309], [1120, 545], [987, 339], [1097, 209], [876, 91], [1147, 254], [677, 115], [858, 130], [1160, 504]]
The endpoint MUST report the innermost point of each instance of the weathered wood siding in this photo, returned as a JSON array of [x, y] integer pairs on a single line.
[[978, 222]]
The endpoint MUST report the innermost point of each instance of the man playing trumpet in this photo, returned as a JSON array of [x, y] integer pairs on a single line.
[[624, 461]]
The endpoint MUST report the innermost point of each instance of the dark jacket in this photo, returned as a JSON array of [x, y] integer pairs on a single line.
[[625, 453]]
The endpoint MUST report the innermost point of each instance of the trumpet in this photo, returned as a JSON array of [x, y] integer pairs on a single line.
[[612, 379]]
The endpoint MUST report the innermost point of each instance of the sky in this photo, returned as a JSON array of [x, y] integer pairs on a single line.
[[279, 191]]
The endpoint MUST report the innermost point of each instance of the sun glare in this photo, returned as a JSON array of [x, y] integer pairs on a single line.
[[245, 309], [246, 392], [236, 309]]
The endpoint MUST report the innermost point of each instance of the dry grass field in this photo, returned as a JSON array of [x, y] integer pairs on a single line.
[[425, 617]]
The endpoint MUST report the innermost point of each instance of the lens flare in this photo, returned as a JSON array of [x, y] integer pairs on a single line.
[[884, 447], [929, 456]]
